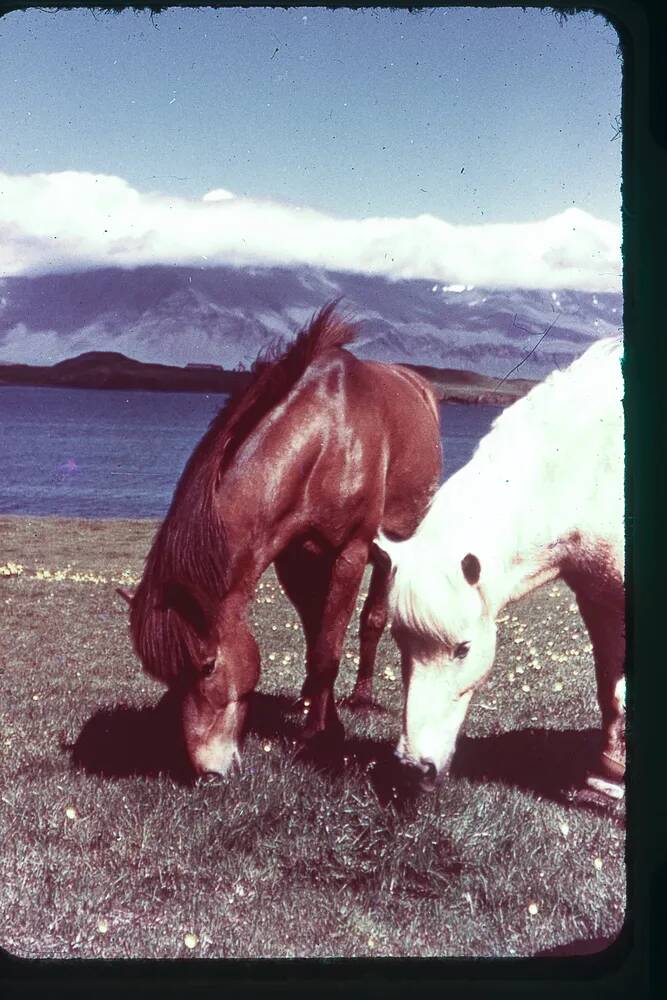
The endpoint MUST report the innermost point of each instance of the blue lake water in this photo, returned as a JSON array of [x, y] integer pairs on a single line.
[[94, 453]]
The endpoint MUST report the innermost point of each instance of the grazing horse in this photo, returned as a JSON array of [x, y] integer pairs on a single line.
[[301, 469], [541, 498]]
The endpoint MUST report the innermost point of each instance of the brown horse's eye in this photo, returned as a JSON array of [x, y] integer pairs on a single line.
[[208, 668], [461, 650]]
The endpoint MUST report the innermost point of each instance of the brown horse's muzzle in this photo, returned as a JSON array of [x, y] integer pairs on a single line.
[[212, 735]]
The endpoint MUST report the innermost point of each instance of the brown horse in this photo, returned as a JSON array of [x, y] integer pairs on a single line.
[[300, 469]]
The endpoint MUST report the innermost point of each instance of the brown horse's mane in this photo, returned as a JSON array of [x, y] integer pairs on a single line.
[[186, 568]]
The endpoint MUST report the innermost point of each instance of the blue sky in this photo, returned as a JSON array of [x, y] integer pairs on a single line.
[[471, 115]]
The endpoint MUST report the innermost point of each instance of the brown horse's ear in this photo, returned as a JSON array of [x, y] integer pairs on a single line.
[[180, 599], [471, 569], [125, 594]]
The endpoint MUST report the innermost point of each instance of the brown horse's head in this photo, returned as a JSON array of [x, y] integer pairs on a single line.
[[202, 647], [188, 616]]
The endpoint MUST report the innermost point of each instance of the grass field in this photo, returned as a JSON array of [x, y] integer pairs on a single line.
[[109, 851]]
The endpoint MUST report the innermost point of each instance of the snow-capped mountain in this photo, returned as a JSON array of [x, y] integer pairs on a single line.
[[225, 315]]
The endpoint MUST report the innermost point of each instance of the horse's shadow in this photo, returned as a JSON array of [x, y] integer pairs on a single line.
[[543, 761], [550, 763], [122, 741]]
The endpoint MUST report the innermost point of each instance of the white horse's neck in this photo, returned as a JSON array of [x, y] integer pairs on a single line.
[[541, 496], [495, 521]]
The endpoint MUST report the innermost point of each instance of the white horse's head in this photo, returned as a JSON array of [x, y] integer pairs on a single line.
[[446, 634]]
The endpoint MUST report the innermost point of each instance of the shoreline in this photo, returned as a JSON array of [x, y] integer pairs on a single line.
[[70, 519], [116, 372], [453, 398]]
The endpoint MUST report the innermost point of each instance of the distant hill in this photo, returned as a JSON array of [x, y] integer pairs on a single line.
[[224, 315], [112, 370]]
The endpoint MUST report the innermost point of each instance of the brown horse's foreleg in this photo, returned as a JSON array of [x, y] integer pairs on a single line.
[[305, 577], [606, 627], [325, 652], [371, 626]]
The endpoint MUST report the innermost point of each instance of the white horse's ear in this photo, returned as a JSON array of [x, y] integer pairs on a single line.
[[471, 569]]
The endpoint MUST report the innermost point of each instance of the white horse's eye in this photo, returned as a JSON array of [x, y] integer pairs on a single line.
[[461, 650]]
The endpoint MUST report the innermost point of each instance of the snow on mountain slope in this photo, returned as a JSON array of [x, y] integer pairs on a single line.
[[225, 315]]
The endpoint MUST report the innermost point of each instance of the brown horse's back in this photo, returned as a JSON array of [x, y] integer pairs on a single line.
[[347, 456]]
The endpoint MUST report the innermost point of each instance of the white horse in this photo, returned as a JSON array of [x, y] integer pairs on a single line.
[[541, 498]]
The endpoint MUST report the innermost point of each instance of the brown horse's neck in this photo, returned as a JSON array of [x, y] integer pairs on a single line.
[[256, 529]]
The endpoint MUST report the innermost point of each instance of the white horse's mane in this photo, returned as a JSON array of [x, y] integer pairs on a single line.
[[594, 379]]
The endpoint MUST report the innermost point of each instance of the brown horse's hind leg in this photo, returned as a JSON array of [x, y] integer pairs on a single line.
[[606, 627], [371, 626]]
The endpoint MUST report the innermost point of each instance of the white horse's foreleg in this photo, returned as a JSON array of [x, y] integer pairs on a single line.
[[606, 627]]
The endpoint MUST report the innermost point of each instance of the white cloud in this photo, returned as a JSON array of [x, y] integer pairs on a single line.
[[218, 194], [72, 221]]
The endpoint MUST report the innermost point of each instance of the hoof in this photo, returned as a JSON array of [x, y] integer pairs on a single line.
[[362, 703], [599, 793], [333, 734], [612, 768], [605, 786], [362, 695]]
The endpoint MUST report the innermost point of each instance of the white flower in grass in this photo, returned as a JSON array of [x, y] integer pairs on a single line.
[[70, 812], [533, 909], [190, 940], [102, 925], [597, 864], [564, 828]]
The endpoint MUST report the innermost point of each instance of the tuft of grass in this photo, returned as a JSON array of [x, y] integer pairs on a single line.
[[110, 850]]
